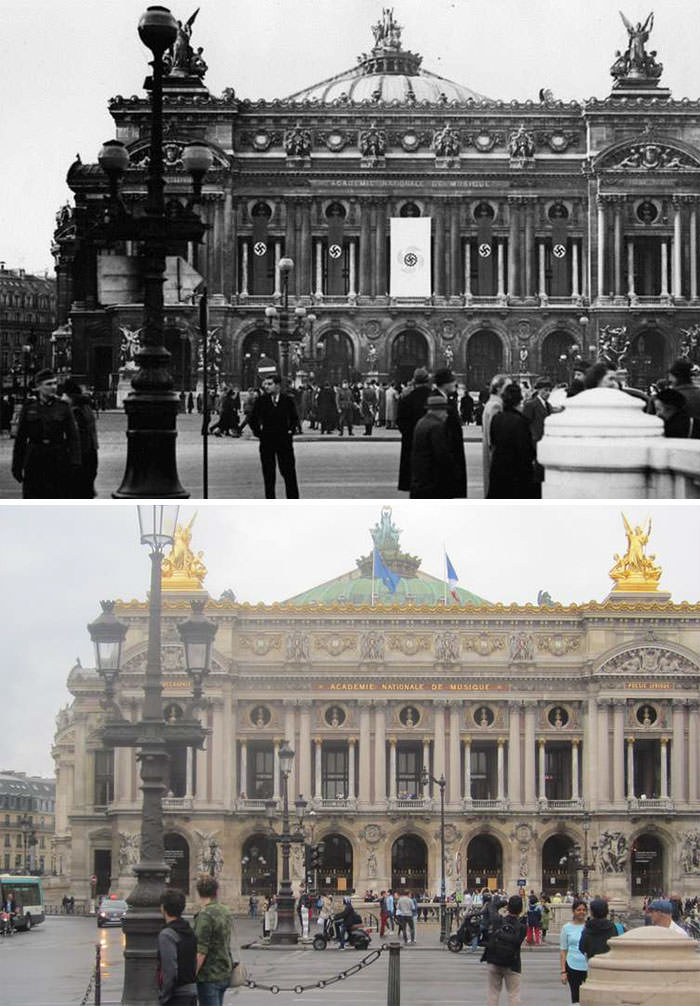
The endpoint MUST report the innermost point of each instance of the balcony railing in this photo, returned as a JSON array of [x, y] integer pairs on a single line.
[[563, 805], [244, 803], [491, 804], [174, 803], [336, 803], [649, 804], [408, 803]]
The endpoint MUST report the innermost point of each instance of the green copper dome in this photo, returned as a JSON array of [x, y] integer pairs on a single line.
[[415, 587]]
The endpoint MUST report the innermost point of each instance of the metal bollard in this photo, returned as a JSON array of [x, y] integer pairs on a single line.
[[393, 985], [98, 974]]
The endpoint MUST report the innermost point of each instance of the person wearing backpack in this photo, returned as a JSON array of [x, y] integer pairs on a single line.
[[534, 921], [177, 953], [502, 953]]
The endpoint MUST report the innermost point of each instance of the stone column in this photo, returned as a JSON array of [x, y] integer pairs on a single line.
[[603, 754], [542, 277], [365, 250], [677, 753], [529, 763], [303, 266], [574, 769], [392, 768], [244, 269], [290, 733], [693, 252], [439, 741], [188, 774], [243, 790], [500, 764], [290, 231], [219, 754], [542, 786], [664, 267], [513, 258], [468, 769], [426, 764], [676, 286], [229, 246], [601, 249], [351, 767], [318, 286], [467, 268], [276, 768], [501, 288], [304, 752], [575, 292], [318, 768], [365, 759], [454, 775], [663, 758], [352, 266], [617, 248], [455, 253], [514, 755], [631, 293], [439, 219], [380, 752], [529, 249], [618, 751], [232, 775], [380, 277], [693, 752], [630, 768], [590, 751]]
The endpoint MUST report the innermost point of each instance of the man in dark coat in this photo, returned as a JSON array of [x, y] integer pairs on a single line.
[[513, 451], [83, 486], [273, 420], [47, 445], [536, 410], [434, 472], [411, 408], [597, 930], [446, 385], [681, 379]]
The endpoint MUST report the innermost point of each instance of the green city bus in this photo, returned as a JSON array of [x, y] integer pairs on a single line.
[[29, 899]]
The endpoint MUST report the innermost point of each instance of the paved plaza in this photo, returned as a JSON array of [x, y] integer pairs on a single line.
[[329, 467], [51, 966]]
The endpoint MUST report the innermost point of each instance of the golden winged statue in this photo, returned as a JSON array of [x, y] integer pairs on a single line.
[[635, 571], [182, 569]]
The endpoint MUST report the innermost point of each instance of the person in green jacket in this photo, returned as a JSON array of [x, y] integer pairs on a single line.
[[212, 927]]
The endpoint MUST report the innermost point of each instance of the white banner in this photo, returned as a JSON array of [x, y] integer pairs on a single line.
[[410, 257]]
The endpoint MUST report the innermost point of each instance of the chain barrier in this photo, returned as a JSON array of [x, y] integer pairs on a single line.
[[88, 990], [322, 983]]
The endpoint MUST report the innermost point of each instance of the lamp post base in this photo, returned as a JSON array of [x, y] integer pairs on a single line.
[[285, 934], [151, 465]]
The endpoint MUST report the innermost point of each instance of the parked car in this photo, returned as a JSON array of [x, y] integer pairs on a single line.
[[111, 912]]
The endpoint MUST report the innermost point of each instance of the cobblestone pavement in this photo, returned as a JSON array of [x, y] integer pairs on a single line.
[[51, 966], [328, 467]]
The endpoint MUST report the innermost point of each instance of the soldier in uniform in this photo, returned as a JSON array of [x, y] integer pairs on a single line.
[[47, 445]]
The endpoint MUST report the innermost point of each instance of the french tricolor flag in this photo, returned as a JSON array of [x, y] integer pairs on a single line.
[[451, 577]]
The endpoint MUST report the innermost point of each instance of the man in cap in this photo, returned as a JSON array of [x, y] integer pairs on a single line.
[[680, 375], [410, 408], [446, 385], [578, 377], [47, 445], [434, 472], [661, 912]]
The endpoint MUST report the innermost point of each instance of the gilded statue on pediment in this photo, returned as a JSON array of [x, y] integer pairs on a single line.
[[635, 570], [182, 569]]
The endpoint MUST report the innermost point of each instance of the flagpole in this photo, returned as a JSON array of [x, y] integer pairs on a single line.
[[374, 560], [444, 562]]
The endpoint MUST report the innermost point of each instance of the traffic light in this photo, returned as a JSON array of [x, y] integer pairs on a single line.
[[316, 855]]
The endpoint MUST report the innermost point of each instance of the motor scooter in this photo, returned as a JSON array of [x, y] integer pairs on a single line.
[[358, 937]]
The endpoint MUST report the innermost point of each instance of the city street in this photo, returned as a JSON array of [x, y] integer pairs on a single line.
[[328, 467], [51, 967]]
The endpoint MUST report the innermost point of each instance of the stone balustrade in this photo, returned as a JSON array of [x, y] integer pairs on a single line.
[[604, 446]]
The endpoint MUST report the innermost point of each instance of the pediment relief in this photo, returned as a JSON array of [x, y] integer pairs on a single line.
[[172, 656], [648, 659], [646, 154]]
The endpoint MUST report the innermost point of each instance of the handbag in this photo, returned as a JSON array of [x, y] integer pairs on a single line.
[[239, 975]]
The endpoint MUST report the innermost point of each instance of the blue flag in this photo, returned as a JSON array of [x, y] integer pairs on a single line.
[[451, 577], [381, 572]]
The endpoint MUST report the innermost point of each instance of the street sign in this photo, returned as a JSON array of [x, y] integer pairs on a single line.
[[522, 882]]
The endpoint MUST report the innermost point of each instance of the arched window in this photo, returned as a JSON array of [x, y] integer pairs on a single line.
[[409, 865], [408, 351], [484, 863], [335, 870], [647, 860], [259, 866], [558, 865], [177, 856], [484, 359], [558, 356]]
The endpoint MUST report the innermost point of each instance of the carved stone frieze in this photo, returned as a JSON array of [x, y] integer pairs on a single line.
[[484, 643], [335, 645], [648, 660], [260, 646], [446, 647], [372, 833], [372, 645], [297, 648], [409, 645], [690, 851], [558, 644]]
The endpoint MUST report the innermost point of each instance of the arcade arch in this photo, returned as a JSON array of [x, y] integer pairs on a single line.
[[557, 865], [335, 871], [177, 857], [408, 350], [259, 865], [647, 865], [409, 864], [484, 359], [645, 359], [556, 356], [484, 863]]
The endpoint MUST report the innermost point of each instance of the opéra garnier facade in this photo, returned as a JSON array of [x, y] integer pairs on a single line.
[[567, 735], [559, 229]]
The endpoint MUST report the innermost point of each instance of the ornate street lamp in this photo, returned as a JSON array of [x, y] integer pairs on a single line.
[[152, 736], [441, 782], [152, 406], [285, 933], [282, 333], [197, 635]]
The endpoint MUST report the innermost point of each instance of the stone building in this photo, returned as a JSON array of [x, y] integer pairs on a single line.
[[558, 229], [27, 323], [567, 737], [26, 823]]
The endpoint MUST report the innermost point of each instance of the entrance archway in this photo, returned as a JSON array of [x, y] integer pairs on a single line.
[[409, 864], [177, 343], [647, 861], [335, 868], [556, 358], [484, 863], [255, 345], [177, 857], [645, 360], [102, 869], [408, 351], [334, 358], [557, 865], [259, 866], [484, 359]]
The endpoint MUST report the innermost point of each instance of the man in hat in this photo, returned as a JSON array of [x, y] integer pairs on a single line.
[[492, 406], [661, 912], [47, 445], [670, 405], [273, 420], [411, 408], [680, 377], [536, 410], [446, 385], [434, 472], [577, 379]]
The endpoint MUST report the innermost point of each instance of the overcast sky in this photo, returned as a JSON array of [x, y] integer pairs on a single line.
[[59, 562], [63, 59]]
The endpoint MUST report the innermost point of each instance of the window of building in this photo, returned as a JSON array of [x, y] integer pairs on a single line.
[[260, 771], [104, 778], [19, 842], [334, 772], [18, 862], [409, 766], [8, 842], [7, 861]]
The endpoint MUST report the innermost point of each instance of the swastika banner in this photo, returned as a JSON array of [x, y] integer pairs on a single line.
[[410, 257]]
